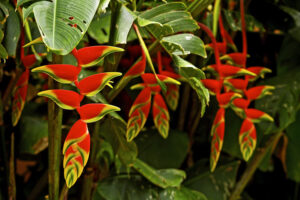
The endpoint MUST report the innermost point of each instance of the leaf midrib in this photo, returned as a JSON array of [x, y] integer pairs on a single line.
[[54, 21]]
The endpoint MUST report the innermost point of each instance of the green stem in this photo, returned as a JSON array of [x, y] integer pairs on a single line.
[[216, 16], [253, 165], [12, 178], [64, 192], [54, 139]]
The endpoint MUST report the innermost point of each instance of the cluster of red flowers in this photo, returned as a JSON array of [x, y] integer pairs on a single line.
[[234, 92]]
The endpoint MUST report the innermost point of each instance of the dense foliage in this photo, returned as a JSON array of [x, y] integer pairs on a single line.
[[126, 99]]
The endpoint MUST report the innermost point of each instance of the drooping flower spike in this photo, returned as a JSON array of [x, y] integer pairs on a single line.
[[234, 92], [141, 107], [76, 147]]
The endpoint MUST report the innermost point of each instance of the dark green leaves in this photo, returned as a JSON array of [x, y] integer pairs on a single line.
[[162, 153], [113, 130], [193, 76], [163, 177], [63, 23], [166, 19]]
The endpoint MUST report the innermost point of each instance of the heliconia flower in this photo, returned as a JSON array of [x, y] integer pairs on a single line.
[[93, 84], [76, 152], [19, 94], [60, 72], [89, 56], [258, 92], [172, 96], [225, 98], [65, 99], [217, 132], [170, 74], [93, 112], [259, 71], [214, 86], [230, 71], [137, 69], [241, 103], [237, 57], [247, 139], [150, 78], [256, 115], [236, 85], [160, 115], [138, 114]]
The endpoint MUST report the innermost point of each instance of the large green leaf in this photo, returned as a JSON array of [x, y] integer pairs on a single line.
[[215, 185], [63, 23], [295, 14], [124, 22], [27, 11], [113, 130], [293, 150], [184, 44], [163, 177], [167, 19], [135, 187], [162, 153], [100, 28], [34, 135], [12, 32], [181, 193], [193, 75]]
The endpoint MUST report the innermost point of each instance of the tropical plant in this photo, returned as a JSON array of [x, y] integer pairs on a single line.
[[196, 67]]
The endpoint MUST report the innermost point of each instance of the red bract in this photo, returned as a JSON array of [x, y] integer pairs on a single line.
[[19, 94], [256, 115], [65, 99], [160, 115], [247, 138], [93, 112], [60, 72], [258, 92], [236, 85], [76, 152], [89, 56], [225, 98], [138, 114], [217, 133], [259, 71], [214, 86], [172, 96], [93, 84], [150, 78]]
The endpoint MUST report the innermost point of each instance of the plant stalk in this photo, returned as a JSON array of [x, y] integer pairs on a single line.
[[183, 106], [216, 16], [253, 165], [12, 177], [54, 139]]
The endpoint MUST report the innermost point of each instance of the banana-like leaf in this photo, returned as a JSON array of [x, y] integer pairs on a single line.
[[63, 23], [90, 56], [247, 138], [138, 114], [20, 93], [76, 152], [65, 99], [93, 84], [217, 132], [93, 112], [161, 115], [60, 72]]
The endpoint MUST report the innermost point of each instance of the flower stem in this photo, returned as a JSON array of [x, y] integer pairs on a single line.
[[54, 139], [12, 178]]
